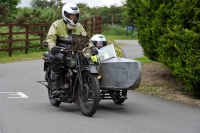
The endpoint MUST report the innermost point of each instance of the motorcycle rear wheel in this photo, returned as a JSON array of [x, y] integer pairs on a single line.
[[89, 100]]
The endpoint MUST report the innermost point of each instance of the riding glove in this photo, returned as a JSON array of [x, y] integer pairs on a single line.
[[94, 50], [55, 50]]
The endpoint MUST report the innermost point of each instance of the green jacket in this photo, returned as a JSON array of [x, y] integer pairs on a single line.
[[59, 29]]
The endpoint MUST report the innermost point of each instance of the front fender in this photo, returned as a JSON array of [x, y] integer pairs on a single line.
[[91, 69]]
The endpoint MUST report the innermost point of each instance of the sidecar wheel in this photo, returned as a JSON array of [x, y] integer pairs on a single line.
[[90, 97], [120, 101]]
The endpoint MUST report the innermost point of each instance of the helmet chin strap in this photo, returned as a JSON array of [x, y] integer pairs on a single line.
[[75, 22], [65, 21], [70, 26]]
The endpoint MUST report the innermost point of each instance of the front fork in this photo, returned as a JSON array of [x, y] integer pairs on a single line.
[[79, 71]]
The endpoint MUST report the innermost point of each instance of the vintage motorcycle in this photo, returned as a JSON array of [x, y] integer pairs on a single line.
[[91, 78], [80, 75]]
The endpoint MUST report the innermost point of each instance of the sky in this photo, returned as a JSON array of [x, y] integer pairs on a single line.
[[90, 3]]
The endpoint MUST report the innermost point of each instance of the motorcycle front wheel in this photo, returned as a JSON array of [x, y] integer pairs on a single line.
[[90, 97]]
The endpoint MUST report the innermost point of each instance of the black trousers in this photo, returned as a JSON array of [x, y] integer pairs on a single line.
[[57, 67]]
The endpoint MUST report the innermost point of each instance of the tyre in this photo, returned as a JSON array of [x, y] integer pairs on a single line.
[[90, 97], [117, 99]]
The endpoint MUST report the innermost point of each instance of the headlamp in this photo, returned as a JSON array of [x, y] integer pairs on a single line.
[[87, 52]]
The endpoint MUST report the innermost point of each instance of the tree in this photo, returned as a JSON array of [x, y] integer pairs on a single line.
[[12, 4], [169, 32], [129, 12], [110, 15], [4, 11], [84, 10], [45, 3], [7, 9], [37, 4]]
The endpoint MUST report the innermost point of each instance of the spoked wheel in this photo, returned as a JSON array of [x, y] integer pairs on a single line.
[[90, 97], [116, 97]]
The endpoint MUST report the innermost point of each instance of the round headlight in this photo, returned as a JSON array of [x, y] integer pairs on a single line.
[[87, 52]]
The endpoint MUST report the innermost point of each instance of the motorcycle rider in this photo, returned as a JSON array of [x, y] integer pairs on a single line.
[[99, 41], [64, 27]]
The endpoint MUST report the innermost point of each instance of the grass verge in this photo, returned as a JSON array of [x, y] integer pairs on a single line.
[[159, 81], [21, 57]]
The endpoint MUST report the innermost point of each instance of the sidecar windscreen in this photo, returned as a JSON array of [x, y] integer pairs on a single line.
[[107, 52]]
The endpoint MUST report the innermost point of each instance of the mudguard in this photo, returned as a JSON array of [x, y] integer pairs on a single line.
[[91, 69]]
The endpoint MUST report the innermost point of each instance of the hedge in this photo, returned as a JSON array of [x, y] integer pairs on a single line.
[[169, 32]]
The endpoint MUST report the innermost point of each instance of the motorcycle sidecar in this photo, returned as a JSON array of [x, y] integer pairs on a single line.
[[120, 74]]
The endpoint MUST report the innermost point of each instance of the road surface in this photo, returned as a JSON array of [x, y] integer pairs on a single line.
[[25, 108]]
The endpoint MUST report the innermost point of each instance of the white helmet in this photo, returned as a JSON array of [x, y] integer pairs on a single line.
[[68, 9], [99, 40]]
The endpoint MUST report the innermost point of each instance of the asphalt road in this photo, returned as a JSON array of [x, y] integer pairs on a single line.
[[25, 108], [132, 48]]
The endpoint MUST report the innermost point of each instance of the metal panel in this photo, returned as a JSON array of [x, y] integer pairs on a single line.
[[120, 73]]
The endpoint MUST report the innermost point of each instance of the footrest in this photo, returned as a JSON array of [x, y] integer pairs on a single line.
[[60, 92], [122, 97]]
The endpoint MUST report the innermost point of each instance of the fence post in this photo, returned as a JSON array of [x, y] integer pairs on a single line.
[[98, 25], [10, 40], [92, 27], [41, 36], [27, 40], [85, 25]]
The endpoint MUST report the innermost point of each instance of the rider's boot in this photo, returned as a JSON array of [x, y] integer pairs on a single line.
[[56, 82]]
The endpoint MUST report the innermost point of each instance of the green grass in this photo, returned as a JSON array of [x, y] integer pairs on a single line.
[[21, 57], [119, 37], [143, 59]]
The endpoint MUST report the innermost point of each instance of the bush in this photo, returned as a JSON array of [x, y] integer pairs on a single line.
[[31, 16], [170, 33]]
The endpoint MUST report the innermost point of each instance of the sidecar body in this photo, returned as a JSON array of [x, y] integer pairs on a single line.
[[118, 73]]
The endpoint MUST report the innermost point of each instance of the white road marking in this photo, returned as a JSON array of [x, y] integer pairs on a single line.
[[15, 94]]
